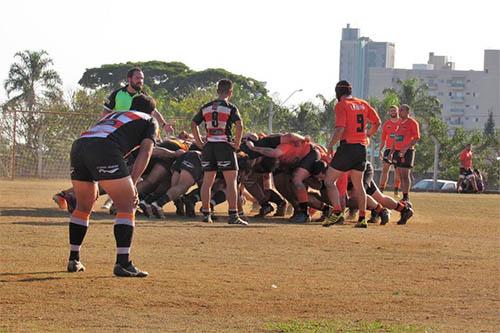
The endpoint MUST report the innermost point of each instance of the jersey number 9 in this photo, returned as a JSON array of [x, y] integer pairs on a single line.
[[360, 119]]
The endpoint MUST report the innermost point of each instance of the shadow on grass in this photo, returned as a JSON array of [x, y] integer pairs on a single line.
[[30, 273], [48, 213]]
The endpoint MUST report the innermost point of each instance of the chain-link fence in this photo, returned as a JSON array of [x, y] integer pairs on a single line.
[[38, 144]]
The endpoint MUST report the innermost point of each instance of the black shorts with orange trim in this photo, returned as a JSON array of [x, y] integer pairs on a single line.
[[406, 161], [94, 159], [349, 157], [386, 156]]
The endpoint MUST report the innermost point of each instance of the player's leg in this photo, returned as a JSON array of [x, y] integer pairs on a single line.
[[181, 182], [384, 175], [358, 192], [232, 197], [206, 194], [124, 195], [86, 194], [301, 192], [337, 216]]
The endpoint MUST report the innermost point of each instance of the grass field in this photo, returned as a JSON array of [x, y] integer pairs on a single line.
[[439, 273]]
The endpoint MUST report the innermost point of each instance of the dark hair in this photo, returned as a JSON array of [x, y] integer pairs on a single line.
[[405, 106], [131, 72], [143, 103], [343, 88], [224, 86]]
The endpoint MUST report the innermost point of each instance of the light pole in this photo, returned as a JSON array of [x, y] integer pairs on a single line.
[[271, 112]]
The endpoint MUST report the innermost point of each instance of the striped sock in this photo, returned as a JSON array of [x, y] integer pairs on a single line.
[[78, 226], [124, 231]]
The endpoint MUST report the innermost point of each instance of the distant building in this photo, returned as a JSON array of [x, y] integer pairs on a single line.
[[467, 97], [358, 54]]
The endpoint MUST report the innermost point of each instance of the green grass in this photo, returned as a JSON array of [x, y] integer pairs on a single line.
[[329, 326]]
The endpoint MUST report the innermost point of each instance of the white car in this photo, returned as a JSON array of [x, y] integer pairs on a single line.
[[441, 186]]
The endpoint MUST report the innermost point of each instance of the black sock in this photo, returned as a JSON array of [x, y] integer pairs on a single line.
[[123, 237], [162, 200], [76, 235], [274, 197], [233, 213], [303, 206]]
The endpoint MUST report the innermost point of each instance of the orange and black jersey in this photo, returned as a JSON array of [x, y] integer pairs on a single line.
[[389, 129], [270, 141], [408, 130], [127, 129], [353, 114], [219, 116]]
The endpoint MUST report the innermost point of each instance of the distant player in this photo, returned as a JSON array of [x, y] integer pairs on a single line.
[[387, 138], [406, 137], [219, 150], [466, 171], [352, 116], [97, 159]]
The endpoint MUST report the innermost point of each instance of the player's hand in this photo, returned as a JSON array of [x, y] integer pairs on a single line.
[[381, 155], [200, 144], [329, 150], [235, 145], [250, 144], [402, 153]]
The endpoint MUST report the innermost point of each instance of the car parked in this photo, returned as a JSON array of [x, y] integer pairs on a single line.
[[427, 185]]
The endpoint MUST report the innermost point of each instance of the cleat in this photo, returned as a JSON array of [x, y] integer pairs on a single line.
[[129, 271], [75, 266], [179, 207], [264, 210], [112, 210], [384, 216], [281, 209], [334, 219], [60, 200], [189, 205], [325, 214], [207, 219], [361, 224], [406, 214], [374, 217], [157, 210], [301, 217], [236, 220], [146, 208]]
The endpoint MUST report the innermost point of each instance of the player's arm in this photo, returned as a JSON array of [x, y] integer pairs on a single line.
[[269, 152], [197, 120], [291, 138], [238, 134], [374, 119], [109, 104], [415, 137], [339, 126], [163, 123], [142, 160]]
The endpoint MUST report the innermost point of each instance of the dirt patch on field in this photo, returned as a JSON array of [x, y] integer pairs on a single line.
[[441, 271]]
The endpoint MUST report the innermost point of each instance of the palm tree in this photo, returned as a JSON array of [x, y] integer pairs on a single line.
[[32, 79], [31, 86]]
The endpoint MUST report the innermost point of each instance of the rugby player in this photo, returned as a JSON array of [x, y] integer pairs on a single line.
[[351, 118], [387, 138], [97, 158], [403, 148], [219, 150]]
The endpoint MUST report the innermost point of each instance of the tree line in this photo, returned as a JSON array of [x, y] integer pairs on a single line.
[[33, 85]]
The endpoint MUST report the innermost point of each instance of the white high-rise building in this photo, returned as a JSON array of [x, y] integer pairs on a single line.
[[358, 54], [467, 97]]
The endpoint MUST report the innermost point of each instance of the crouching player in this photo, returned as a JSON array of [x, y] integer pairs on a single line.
[[97, 159]]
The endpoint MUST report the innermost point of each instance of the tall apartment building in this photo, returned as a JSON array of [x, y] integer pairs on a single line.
[[359, 54], [467, 97]]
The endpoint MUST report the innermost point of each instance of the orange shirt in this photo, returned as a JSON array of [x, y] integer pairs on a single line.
[[353, 114], [293, 152], [388, 132], [408, 130], [466, 159]]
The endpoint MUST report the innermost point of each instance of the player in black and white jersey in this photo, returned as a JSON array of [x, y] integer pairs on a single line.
[[97, 158], [219, 150]]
